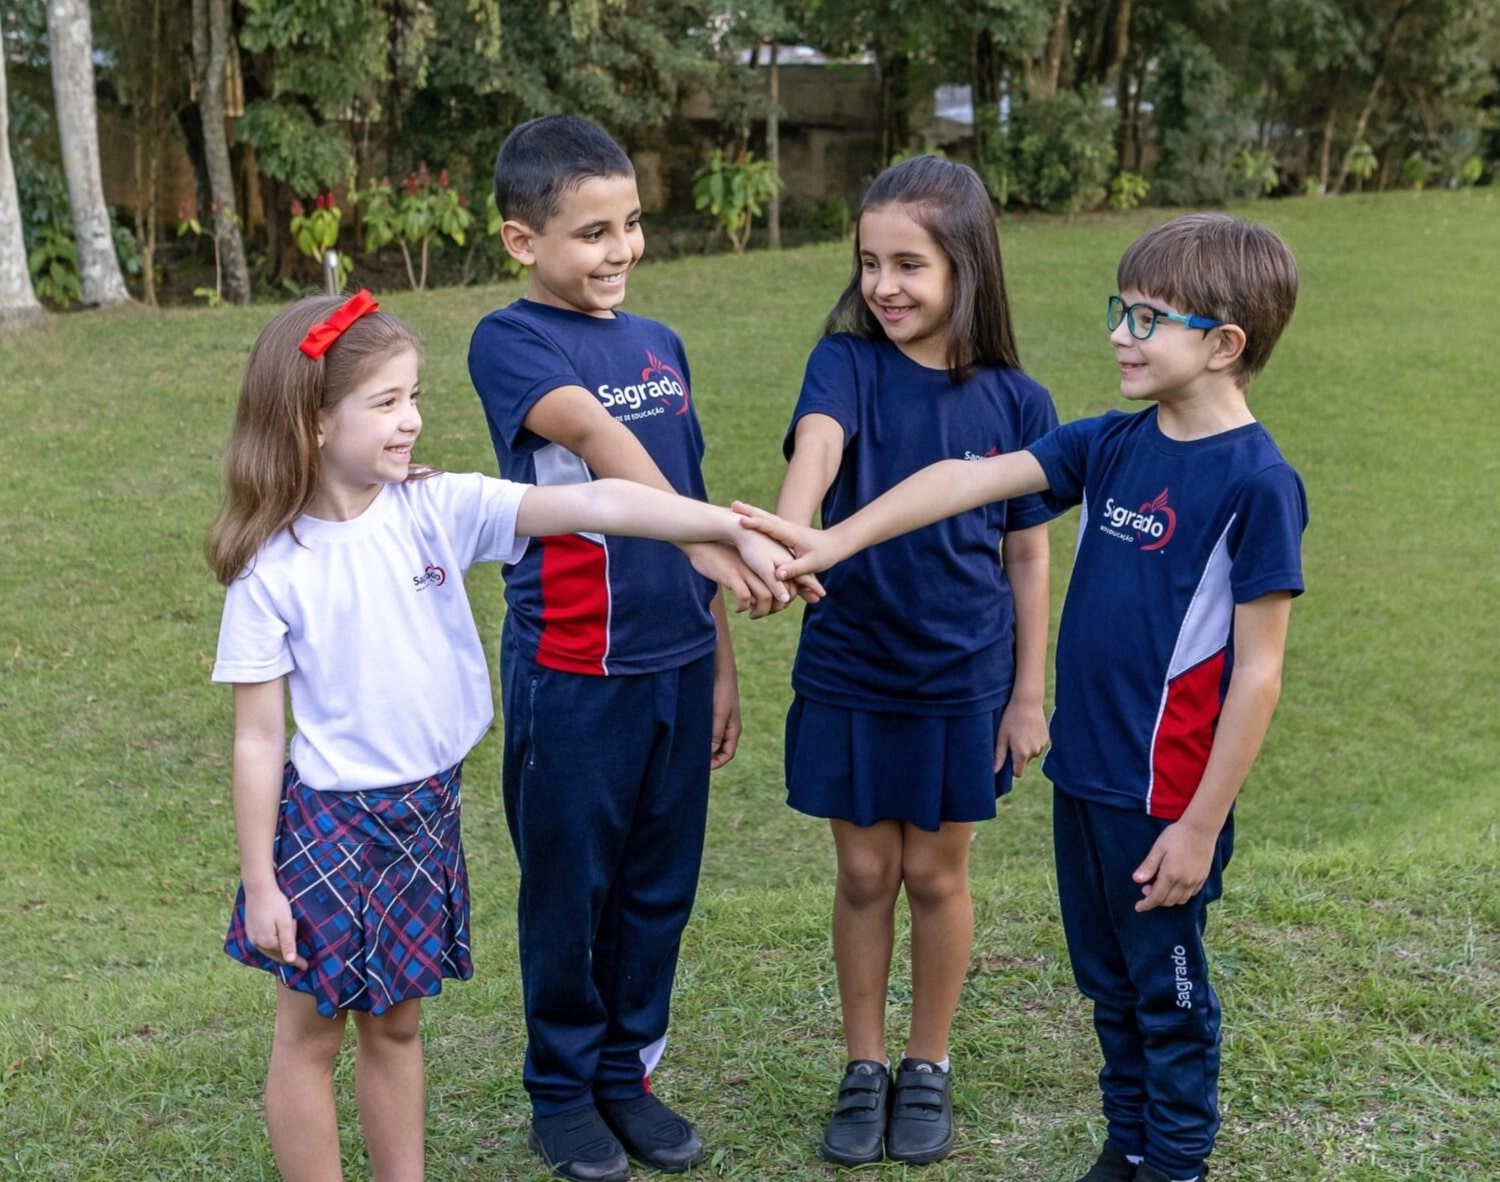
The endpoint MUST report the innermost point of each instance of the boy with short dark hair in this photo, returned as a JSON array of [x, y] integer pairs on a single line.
[[1169, 655], [617, 673]]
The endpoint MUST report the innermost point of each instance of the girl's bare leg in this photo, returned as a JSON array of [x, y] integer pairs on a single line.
[[300, 1113], [389, 1087], [864, 905], [935, 869]]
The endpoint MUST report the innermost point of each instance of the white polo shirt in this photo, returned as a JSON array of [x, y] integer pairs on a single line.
[[370, 623]]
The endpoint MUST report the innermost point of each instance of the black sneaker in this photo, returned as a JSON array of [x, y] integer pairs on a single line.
[[921, 1123], [652, 1133], [1145, 1173], [578, 1144], [1112, 1166], [857, 1127]]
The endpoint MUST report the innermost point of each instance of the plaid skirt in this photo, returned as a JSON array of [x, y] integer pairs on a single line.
[[378, 889]]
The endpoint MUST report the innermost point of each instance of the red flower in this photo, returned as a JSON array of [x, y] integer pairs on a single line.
[[296, 208], [463, 202], [443, 179]]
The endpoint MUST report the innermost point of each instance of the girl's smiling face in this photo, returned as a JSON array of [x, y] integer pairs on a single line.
[[365, 440], [906, 281]]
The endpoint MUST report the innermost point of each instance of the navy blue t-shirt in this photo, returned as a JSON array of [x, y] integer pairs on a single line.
[[1173, 534], [923, 623], [584, 603]]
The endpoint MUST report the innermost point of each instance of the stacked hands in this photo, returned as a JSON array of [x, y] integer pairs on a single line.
[[753, 571], [802, 550]]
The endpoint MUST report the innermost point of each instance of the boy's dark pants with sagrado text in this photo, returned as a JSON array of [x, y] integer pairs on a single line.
[[606, 797], [1156, 1015]]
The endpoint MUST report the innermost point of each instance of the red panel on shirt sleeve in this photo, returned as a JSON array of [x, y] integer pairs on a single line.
[[1185, 736], [575, 605]]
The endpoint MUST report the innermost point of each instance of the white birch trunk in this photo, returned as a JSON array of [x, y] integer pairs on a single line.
[[17, 297], [71, 42]]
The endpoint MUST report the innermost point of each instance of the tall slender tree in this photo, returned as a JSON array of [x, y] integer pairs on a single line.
[[70, 38], [17, 298], [210, 53]]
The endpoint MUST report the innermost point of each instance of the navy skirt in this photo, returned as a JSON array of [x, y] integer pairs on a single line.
[[863, 767], [379, 891]]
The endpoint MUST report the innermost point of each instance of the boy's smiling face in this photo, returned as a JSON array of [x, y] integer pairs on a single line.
[[581, 259]]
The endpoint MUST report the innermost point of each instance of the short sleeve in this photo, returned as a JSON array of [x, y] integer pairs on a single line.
[[480, 516], [1265, 540], [1063, 455], [513, 367], [1038, 419], [253, 644], [829, 387]]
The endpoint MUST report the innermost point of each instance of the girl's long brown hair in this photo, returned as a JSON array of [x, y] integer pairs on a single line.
[[271, 461], [949, 201]]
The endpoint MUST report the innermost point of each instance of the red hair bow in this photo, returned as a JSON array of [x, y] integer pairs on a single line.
[[321, 335]]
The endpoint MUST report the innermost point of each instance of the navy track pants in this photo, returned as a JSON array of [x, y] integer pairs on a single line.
[[1156, 1015], [606, 797]]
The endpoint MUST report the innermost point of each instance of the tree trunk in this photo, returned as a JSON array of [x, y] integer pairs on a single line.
[[1057, 44], [984, 89], [210, 52], [17, 296], [1325, 154], [1359, 132], [773, 151], [894, 73], [71, 42]]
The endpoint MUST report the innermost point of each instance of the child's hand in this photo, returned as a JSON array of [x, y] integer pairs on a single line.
[[722, 564], [271, 928], [1176, 868], [1022, 736], [807, 587], [811, 547], [762, 554]]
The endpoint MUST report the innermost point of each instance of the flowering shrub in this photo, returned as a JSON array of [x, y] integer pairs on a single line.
[[423, 210], [317, 231]]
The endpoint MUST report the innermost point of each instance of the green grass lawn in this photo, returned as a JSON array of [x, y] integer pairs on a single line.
[[1357, 947]]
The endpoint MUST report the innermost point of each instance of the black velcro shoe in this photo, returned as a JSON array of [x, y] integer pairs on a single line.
[[652, 1133], [1145, 1173], [921, 1123], [1112, 1166], [577, 1144], [856, 1130]]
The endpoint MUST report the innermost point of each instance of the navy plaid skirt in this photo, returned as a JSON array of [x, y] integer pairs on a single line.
[[378, 888]]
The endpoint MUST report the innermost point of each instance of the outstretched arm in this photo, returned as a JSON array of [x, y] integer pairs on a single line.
[[627, 509], [259, 751], [939, 490], [1178, 864], [573, 417]]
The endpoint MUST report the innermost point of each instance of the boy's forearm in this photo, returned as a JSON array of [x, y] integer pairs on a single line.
[[940, 490]]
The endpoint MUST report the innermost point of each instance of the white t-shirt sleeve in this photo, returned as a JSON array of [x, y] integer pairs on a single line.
[[253, 644], [481, 516]]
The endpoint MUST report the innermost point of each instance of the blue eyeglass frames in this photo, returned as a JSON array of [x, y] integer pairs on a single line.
[[1142, 319]]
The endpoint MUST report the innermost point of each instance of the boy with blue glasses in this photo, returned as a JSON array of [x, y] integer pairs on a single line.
[[1169, 655]]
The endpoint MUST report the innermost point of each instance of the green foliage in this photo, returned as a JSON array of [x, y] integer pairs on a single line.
[[54, 266], [1060, 152], [423, 211], [1201, 127], [316, 232], [1416, 171], [187, 223], [291, 147], [735, 192], [1362, 162], [1128, 190], [1255, 167], [1471, 171]]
